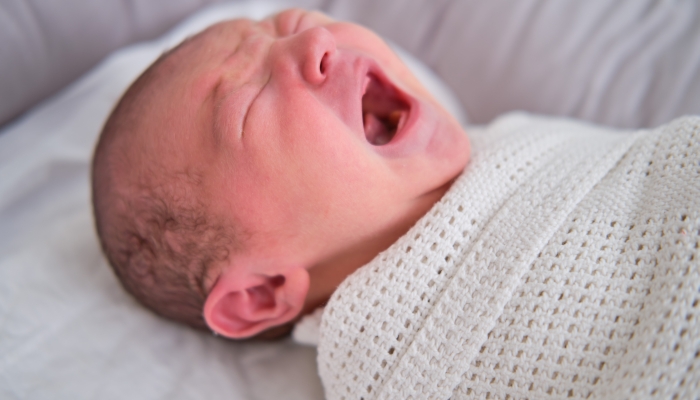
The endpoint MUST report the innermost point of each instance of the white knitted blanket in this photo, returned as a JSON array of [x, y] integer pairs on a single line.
[[564, 262]]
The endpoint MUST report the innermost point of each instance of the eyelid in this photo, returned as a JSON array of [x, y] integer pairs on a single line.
[[231, 112], [234, 108], [249, 106]]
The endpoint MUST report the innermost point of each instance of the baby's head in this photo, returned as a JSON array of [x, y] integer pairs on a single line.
[[248, 171]]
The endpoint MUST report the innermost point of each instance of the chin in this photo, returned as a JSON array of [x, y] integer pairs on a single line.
[[449, 149]]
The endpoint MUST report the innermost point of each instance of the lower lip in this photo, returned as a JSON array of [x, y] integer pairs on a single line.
[[416, 133]]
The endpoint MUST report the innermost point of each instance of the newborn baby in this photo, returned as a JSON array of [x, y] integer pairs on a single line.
[[253, 167], [262, 169]]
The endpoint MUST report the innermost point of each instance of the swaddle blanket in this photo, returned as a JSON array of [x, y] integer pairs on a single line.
[[563, 262]]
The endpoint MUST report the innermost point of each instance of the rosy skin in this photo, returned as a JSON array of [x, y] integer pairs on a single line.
[[287, 158]]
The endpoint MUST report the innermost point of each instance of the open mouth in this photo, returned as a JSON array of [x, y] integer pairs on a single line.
[[384, 112]]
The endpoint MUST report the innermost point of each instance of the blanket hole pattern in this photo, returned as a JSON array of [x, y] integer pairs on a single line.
[[622, 291]]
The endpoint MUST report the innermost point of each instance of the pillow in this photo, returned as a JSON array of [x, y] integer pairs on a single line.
[[69, 331]]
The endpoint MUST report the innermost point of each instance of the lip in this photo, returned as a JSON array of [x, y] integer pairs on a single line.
[[412, 134]]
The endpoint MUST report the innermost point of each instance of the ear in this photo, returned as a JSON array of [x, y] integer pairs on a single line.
[[242, 305]]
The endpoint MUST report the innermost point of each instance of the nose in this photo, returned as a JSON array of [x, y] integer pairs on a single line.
[[307, 53]]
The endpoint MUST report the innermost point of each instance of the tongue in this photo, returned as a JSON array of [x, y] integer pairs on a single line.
[[376, 131], [380, 130]]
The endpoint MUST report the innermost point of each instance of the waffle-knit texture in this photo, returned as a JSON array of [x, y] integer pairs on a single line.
[[563, 263]]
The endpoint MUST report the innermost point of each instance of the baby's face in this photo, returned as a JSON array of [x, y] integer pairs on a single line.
[[309, 133]]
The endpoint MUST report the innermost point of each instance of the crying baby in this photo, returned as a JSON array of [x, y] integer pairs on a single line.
[[248, 171]]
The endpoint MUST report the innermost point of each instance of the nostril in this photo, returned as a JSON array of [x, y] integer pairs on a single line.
[[277, 281], [322, 65], [314, 51]]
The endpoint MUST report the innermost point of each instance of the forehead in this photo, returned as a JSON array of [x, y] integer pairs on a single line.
[[228, 34], [192, 69], [231, 31], [225, 34]]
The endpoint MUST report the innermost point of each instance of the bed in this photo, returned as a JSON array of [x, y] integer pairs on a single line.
[[69, 331]]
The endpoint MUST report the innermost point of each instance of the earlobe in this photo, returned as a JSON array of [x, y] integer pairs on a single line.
[[241, 306]]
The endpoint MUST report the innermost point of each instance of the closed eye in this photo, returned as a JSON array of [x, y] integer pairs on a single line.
[[254, 97], [232, 110]]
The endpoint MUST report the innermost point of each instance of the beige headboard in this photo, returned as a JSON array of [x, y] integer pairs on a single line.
[[46, 44], [625, 63]]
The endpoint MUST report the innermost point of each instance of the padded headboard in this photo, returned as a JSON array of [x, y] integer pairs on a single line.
[[45, 45], [627, 63], [623, 63]]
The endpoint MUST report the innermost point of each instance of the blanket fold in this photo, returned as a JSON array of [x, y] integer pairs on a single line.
[[500, 291]]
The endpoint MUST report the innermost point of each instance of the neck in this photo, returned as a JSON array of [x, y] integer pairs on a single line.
[[326, 276]]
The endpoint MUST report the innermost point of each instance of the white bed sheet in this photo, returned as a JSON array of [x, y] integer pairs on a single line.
[[67, 328]]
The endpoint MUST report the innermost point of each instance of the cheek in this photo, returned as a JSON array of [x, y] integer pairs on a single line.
[[446, 157], [315, 167], [309, 156], [310, 140], [343, 180], [452, 148], [333, 164]]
